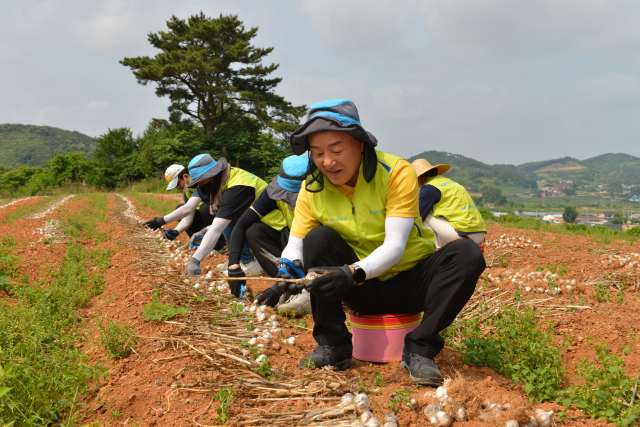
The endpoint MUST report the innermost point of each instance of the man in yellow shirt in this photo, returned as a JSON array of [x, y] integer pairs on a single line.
[[357, 221]]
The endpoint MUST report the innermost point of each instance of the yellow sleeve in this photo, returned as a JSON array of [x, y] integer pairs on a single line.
[[303, 221], [403, 192]]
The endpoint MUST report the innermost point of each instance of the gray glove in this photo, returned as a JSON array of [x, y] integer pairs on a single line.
[[196, 238], [193, 269]]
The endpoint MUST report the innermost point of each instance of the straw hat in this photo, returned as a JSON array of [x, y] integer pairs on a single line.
[[422, 166]]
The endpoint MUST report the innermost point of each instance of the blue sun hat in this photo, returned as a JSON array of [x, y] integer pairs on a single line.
[[286, 186], [339, 115], [203, 166]]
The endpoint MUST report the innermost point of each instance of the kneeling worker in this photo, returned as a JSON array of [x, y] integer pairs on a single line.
[[230, 191], [446, 207], [357, 221], [280, 195], [193, 214]]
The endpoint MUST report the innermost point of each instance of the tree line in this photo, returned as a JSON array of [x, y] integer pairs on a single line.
[[223, 102]]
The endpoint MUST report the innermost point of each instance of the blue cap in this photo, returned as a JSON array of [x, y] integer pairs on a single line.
[[203, 166]]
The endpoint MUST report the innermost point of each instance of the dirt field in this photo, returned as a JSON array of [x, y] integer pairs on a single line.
[[177, 363]]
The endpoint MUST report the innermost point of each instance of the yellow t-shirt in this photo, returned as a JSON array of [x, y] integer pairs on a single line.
[[402, 202]]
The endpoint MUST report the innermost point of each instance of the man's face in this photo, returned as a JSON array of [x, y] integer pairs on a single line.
[[337, 155], [183, 182]]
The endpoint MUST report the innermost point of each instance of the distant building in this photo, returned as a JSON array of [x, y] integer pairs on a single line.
[[558, 188]]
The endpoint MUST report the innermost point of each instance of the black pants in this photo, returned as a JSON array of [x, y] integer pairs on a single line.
[[261, 236], [439, 285], [203, 218]]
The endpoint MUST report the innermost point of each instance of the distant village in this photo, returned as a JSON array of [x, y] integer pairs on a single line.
[[620, 221]]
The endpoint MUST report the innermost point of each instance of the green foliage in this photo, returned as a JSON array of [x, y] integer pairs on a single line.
[[44, 373], [570, 214], [520, 350], [26, 145], [377, 378], [225, 397], [603, 389], [265, 369], [487, 215], [118, 339], [400, 398], [213, 75], [603, 294], [115, 161], [155, 310], [492, 194]]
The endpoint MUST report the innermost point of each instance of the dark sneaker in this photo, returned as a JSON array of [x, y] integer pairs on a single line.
[[323, 355], [422, 370]]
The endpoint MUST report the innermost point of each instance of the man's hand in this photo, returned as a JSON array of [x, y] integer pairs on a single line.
[[155, 223], [333, 284], [171, 234], [193, 269], [196, 238], [236, 286], [269, 296], [290, 269]]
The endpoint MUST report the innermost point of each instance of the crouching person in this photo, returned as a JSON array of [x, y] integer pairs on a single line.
[[280, 195], [357, 221], [446, 207]]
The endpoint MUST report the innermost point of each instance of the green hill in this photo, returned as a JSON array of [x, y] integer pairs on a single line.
[[26, 145], [604, 169], [474, 174]]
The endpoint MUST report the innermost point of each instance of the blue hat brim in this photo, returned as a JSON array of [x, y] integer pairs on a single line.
[[299, 140]]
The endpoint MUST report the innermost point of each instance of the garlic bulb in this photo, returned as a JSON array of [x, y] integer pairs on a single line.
[[461, 414], [511, 423], [373, 422], [441, 393], [292, 341], [365, 416], [543, 417], [362, 403], [442, 419]]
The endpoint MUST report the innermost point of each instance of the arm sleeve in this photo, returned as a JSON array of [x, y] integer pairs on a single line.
[[293, 250], [303, 221], [184, 210], [186, 222], [390, 253], [235, 201], [236, 244], [264, 204], [213, 234], [429, 196]]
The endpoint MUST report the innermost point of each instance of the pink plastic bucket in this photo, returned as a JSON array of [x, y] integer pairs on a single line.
[[380, 337]]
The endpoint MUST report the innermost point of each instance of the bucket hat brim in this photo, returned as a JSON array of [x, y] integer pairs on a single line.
[[277, 193], [208, 173], [299, 140]]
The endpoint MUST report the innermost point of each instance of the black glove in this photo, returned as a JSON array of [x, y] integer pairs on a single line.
[[155, 223], [286, 272], [269, 296], [171, 234], [193, 269], [236, 286], [333, 285]]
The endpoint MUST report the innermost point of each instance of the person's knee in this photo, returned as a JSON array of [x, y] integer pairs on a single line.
[[470, 254], [317, 242]]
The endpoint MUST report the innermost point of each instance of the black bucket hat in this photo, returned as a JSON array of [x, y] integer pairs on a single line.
[[340, 115]]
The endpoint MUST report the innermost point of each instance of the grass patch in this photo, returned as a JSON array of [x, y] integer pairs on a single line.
[[21, 211], [525, 352], [43, 373], [118, 339], [82, 224], [163, 207]]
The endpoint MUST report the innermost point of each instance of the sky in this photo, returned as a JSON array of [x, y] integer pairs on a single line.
[[500, 81]]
